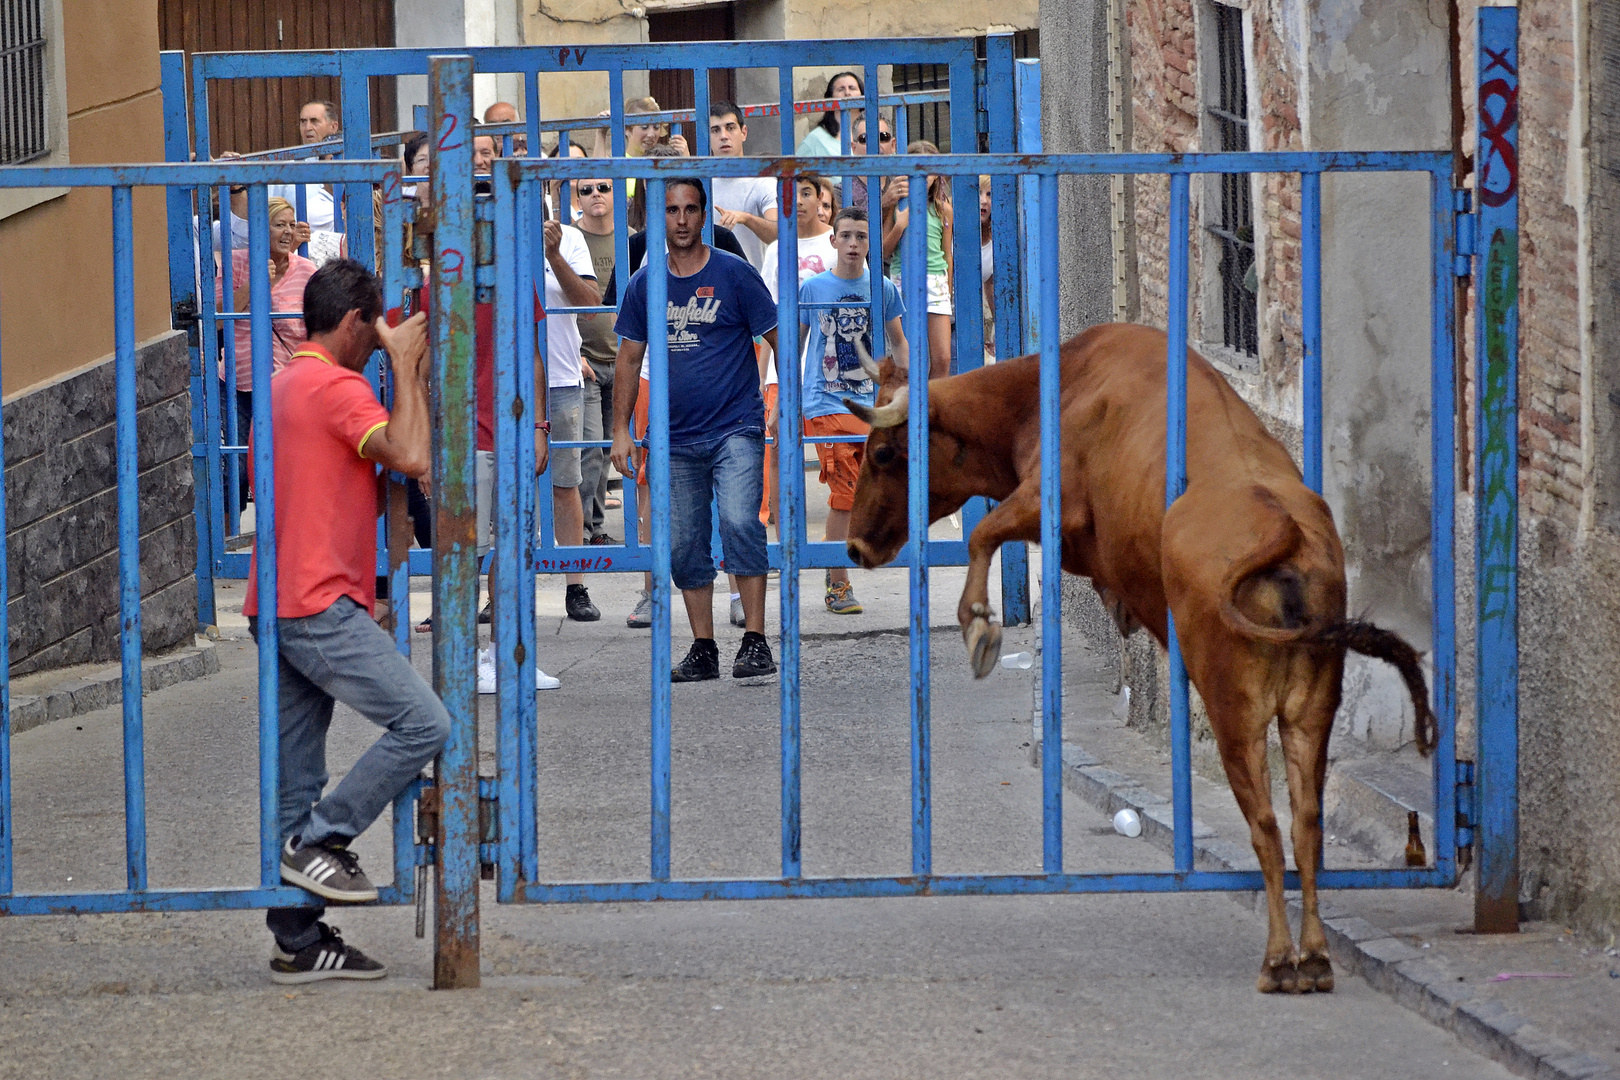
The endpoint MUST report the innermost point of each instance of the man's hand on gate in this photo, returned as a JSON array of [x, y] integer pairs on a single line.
[[620, 454], [406, 344], [553, 233]]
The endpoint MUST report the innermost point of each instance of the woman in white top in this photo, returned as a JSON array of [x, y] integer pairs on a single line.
[[987, 271], [822, 140]]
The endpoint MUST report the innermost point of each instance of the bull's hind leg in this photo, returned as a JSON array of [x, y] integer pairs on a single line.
[[1018, 517], [1240, 731], [1304, 726]]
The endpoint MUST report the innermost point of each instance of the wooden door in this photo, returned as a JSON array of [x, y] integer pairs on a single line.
[[674, 89], [262, 114]]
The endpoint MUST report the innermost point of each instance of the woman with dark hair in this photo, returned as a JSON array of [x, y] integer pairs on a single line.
[[822, 140]]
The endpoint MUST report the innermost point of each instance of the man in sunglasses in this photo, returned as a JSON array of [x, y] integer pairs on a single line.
[[599, 345], [858, 139]]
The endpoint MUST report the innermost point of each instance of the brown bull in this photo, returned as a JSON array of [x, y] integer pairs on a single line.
[[1248, 560]]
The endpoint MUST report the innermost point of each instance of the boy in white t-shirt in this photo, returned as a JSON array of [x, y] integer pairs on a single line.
[[745, 204], [816, 255]]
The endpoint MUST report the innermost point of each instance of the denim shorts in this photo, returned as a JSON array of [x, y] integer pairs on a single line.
[[728, 472]]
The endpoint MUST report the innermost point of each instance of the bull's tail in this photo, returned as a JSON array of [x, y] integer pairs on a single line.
[[1390, 647], [1357, 636]]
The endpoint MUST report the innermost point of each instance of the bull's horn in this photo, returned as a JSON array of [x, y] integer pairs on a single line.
[[868, 365], [884, 416]]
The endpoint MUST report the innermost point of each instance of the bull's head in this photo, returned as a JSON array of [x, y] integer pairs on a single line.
[[879, 523]]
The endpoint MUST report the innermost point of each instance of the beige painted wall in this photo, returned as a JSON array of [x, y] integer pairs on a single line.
[[56, 310], [583, 22]]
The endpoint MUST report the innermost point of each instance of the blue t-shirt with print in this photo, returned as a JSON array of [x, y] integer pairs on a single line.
[[837, 337], [714, 316]]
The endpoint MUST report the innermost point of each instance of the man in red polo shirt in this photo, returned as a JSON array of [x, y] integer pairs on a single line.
[[330, 434]]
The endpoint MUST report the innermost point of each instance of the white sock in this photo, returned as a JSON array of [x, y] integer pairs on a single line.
[[736, 596]]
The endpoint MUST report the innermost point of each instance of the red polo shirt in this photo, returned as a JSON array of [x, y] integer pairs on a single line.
[[326, 491]]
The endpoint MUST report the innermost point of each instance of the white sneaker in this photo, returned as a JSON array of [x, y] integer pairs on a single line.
[[486, 674]]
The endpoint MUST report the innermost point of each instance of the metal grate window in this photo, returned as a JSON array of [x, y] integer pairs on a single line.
[[24, 133], [933, 120], [1234, 228]]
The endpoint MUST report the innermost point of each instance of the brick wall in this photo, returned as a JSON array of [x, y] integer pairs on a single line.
[[1549, 277], [62, 512], [1167, 102]]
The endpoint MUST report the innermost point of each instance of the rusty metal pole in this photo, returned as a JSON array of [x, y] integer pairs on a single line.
[[455, 558]]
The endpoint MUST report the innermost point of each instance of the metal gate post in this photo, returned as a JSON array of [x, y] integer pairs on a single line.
[[1002, 102], [183, 281], [455, 561], [1496, 505]]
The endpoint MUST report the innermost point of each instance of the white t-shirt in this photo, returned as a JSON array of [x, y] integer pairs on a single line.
[[752, 195], [317, 202], [816, 255], [562, 331], [987, 261]]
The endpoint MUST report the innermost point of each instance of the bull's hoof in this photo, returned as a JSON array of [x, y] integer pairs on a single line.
[[1316, 973], [1281, 977], [983, 639]]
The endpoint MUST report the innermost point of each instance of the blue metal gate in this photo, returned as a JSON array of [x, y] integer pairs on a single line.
[[506, 264]]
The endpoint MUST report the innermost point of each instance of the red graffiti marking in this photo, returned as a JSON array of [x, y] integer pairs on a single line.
[[444, 143], [1500, 59], [574, 566], [1497, 186], [390, 192], [451, 261]]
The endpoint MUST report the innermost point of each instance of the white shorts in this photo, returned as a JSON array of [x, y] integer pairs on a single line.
[[939, 294]]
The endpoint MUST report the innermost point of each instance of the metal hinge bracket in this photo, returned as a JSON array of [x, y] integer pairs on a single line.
[[1462, 205], [1467, 813]]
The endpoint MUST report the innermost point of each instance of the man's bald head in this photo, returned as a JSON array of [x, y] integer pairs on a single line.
[[504, 112]]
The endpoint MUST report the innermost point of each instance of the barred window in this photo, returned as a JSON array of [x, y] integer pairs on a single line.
[[24, 128], [1233, 227]]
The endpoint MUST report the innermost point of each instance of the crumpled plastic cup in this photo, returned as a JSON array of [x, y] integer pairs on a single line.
[[1128, 823]]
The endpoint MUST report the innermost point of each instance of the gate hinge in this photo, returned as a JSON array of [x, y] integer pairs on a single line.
[[981, 100], [1467, 813], [185, 318], [1467, 229], [489, 825]]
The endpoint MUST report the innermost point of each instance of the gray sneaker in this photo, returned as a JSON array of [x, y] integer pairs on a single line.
[[327, 869], [737, 617], [641, 617]]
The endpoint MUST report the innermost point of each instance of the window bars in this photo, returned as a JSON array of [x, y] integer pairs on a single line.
[[24, 133], [1235, 225]]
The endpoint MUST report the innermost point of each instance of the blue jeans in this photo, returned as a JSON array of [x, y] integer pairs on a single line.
[[342, 655], [731, 473]]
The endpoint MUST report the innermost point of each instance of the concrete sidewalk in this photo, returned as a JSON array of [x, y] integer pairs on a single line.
[[1558, 1018]]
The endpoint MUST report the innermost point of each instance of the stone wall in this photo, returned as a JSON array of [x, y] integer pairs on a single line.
[[62, 512]]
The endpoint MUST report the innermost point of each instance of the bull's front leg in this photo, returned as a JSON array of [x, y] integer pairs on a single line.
[[1016, 518]]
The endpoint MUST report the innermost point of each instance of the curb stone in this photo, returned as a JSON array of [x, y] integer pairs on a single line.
[[1389, 965], [75, 697]]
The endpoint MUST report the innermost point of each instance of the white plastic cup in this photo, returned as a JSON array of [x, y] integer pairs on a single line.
[[1023, 661], [1128, 823]]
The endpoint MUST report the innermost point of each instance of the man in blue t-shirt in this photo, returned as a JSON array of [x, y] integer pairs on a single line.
[[717, 306], [837, 350]]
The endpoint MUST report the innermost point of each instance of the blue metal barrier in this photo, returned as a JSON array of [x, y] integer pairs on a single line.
[[182, 182], [980, 92], [517, 177], [511, 270]]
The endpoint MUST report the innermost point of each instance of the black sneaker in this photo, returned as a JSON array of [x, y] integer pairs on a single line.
[[578, 605], [701, 664], [753, 658], [486, 614], [328, 958], [328, 869], [603, 540]]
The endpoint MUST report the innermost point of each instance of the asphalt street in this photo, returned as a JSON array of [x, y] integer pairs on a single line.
[[1075, 986]]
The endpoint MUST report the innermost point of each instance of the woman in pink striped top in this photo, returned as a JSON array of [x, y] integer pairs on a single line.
[[289, 273]]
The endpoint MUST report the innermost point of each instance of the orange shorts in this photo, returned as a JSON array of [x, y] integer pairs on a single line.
[[643, 402], [840, 461], [770, 462]]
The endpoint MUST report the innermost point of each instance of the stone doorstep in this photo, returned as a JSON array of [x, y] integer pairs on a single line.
[[1388, 964], [1366, 801], [56, 695]]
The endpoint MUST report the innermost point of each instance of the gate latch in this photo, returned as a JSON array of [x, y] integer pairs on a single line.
[[1462, 205], [1467, 814], [185, 318]]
